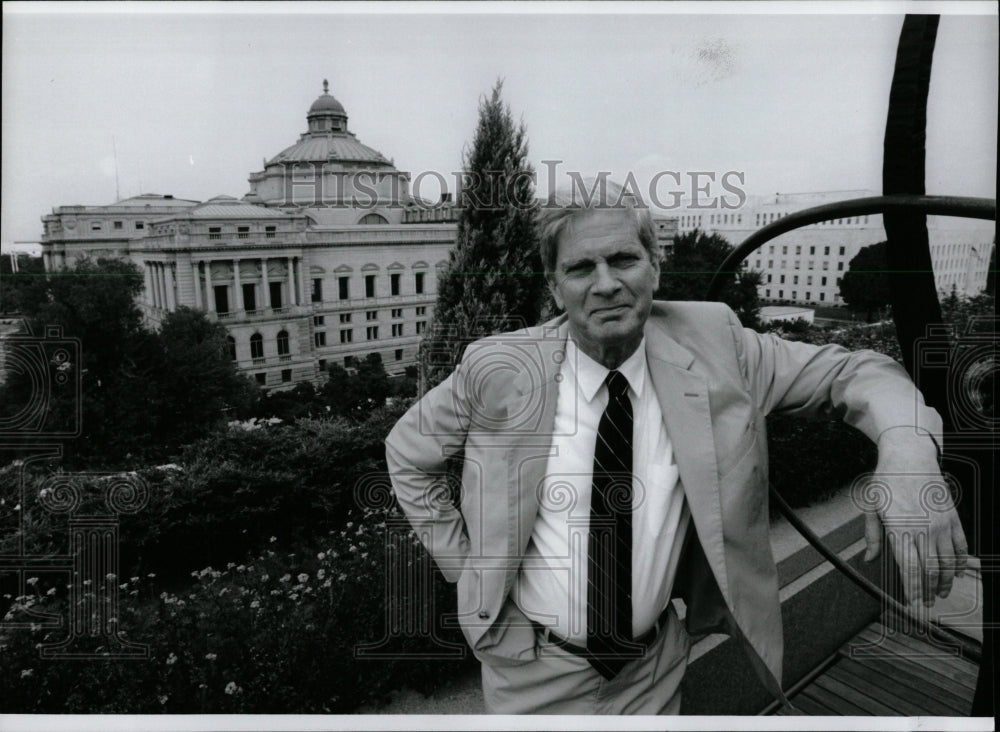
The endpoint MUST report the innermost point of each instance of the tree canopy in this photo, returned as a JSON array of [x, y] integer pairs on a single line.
[[865, 285], [494, 278], [687, 270]]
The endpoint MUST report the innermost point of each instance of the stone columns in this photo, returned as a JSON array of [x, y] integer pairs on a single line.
[[238, 286], [291, 282], [168, 278], [209, 299], [196, 275], [267, 282]]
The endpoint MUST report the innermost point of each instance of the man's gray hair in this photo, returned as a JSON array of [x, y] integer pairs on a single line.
[[590, 194]]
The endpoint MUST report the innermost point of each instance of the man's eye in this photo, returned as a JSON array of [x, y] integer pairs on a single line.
[[623, 260], [579, 270]]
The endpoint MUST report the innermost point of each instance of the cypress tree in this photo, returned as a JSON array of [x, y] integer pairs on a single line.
[[493, 282]]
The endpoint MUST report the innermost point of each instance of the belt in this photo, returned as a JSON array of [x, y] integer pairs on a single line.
[[645, 640]]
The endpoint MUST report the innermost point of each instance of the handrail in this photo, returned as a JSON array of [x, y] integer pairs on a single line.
[[965, 207]]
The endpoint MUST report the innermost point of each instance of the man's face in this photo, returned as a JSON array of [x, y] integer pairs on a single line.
[[605, 280]]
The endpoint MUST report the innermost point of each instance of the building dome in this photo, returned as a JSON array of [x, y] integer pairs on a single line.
[[326, 103]]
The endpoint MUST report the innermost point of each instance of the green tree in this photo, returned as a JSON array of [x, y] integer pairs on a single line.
[[494, 277], [355, 392], [687, 270], [865, 285], [12, 284], [198, 383]]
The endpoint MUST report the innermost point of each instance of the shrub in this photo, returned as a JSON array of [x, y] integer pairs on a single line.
[[277, 634]]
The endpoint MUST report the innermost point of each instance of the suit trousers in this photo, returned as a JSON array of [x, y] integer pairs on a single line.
[[559, 682]]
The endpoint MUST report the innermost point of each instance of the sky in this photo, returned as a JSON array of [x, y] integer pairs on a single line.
[[188, 100]]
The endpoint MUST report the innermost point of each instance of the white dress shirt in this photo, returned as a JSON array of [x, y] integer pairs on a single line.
[[552, 584]]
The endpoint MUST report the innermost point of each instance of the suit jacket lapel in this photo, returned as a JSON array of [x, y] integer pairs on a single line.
[[684, 402], [534, 401]]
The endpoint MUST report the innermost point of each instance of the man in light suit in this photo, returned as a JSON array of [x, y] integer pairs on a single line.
[[683, 390]]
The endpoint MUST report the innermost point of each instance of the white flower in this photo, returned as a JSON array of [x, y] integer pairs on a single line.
[[210, 656], [255, 604], [32, 581], [303, 577], [294, 596], [232, 688], [52, 591], [111, 576], [286, 578], [171, 659], [320, 573], [163, 699], [321, 556], [26, 672], [274, 539]]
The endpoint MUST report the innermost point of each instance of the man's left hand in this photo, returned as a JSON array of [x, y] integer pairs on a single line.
[[908, 496]]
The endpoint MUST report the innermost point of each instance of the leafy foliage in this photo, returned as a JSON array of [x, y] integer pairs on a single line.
[[865, 285], [141, 394], [494, 277], [12, 284], [688, 267]]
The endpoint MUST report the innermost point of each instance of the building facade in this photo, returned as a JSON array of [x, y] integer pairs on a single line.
[[327, 259], [805, 266]]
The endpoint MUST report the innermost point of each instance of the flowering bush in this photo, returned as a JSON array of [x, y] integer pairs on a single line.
[[283, 632]]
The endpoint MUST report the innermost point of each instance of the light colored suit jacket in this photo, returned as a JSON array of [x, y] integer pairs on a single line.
[[716, 382]]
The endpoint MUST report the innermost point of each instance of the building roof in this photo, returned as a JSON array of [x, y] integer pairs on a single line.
[[329, 147], [227, 207], [326, 104], [154, 199]]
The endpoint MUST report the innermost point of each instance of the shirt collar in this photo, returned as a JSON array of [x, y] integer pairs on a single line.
[[590, 375]]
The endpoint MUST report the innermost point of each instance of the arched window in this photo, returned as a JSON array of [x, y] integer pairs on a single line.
[[256, 346], [231, 342], [373, 218], [283, 343]]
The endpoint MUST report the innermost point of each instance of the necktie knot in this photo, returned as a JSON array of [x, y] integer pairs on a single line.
[[617, 385]]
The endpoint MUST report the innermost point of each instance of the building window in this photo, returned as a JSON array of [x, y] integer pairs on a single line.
[[840, 266], [348, 361], [822, 281], [826, 251], [770, 264], [371, 332], [317, 294], [397, 330], [784, 250], [795, 280], [346, 336], [422, 310], [394, 283], [767, 293], [231, 343], [95, 226], [809, 280], [781, 294], [798, 249], [419, 282], [421, 326], [221, 299], [397, 312], [261, 379], [842, 250], [782, 280], [769, 279], [250, 298], [286, 375], [283, 343], [269, 231], [118, 225], [275, 288], [214, 232], [322, 365], [139, 225], [808, 296], [345, 317], [371, 314], [399, 354], [369, 285], [822, 296], [343, 287], [257, 347], [319, 320], [795, 294], [812, 250], [320, 338], [242, 232], [373, 218]]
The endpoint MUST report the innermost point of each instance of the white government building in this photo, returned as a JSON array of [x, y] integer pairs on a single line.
[[804, 266], [327, 258]]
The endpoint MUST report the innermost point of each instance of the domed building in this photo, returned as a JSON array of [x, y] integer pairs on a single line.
[[327, 259], [330, 172]]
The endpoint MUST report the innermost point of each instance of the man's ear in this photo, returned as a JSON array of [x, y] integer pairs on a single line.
[[551, 280]]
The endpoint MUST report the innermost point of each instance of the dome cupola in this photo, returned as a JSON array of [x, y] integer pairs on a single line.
[[327, 114]]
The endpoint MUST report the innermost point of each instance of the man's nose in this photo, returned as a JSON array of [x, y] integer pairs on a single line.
[[606, 283]]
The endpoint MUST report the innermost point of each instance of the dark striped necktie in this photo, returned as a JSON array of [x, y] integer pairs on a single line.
[[609, 544]]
